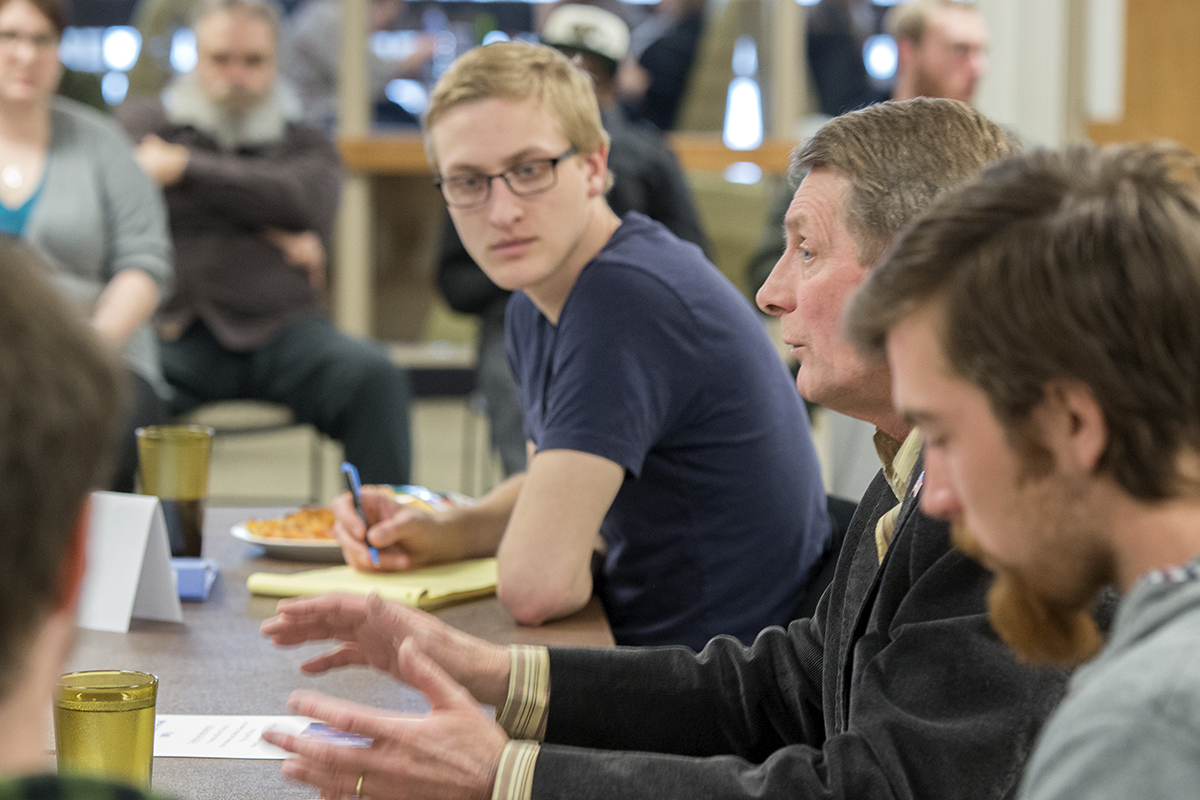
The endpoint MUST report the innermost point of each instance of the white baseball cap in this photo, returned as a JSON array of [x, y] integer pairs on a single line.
[[587, 28]]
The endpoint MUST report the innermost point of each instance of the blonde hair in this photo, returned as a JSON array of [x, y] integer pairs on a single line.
[[908, 21], [520, 71]]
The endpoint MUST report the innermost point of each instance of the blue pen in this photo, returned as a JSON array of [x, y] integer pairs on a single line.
[[355, 486]]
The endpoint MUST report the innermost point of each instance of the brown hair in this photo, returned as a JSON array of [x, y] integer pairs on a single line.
[[908, 21], [899, 156], [56, 11], [519, 71], [59, 397], [1079, 265]]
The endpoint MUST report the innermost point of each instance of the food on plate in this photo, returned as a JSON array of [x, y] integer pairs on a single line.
[[316, 524], [307, 524]]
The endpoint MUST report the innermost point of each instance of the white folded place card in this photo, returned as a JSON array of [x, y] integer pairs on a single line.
[[129, 564]]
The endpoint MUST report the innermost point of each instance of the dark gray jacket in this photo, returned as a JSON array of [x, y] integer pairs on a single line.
[[227, 274], [896, 688]]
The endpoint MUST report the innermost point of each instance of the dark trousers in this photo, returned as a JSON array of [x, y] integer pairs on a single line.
[[495, 381], [346, 388]]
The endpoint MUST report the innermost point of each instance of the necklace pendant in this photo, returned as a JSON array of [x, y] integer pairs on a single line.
[[11, 176]]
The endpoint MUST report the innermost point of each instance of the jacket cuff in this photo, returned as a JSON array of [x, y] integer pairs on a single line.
[[524, 713], [514, 776]]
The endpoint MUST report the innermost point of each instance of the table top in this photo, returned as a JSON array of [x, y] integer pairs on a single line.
[[217, 663]]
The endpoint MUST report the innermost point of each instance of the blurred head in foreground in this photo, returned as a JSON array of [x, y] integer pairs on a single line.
[[59, 399]]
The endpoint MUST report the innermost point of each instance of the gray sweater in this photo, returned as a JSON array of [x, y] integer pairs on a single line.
[[1130, 726], [98, 214]]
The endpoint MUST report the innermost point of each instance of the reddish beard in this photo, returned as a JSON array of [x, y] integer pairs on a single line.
[[928, 83], [1038, 630]]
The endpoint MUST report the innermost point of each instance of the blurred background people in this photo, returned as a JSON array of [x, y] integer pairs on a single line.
[[70, 187], [655, 74], [835, 31], [646, 178], [941, 49], [252, 198], [312, 49], [157, 21]]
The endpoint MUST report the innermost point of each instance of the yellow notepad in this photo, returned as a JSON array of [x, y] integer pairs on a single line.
[[424, 588]]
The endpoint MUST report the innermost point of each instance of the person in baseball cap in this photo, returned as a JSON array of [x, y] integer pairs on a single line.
[[599, 38]]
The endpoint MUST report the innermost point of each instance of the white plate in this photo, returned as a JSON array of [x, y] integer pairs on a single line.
[[292, 549]]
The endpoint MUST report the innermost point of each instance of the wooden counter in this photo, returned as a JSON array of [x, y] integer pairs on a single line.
[[404, 154]]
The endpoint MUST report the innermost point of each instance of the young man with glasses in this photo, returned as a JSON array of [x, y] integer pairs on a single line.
[[667, 444]]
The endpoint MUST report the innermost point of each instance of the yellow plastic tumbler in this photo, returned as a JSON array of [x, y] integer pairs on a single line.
[[104, 725]]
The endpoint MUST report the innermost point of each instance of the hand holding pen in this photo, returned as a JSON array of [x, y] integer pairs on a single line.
[[355, 486], [402, 536]]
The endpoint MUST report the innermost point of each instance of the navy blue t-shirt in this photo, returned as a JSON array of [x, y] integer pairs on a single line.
[[659, 364]]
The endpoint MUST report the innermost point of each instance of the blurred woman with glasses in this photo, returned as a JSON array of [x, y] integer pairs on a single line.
[[70, 188]]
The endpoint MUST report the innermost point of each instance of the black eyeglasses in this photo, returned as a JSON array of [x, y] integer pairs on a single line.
[[524, 180]]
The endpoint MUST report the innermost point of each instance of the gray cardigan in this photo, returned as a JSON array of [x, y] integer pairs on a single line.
[[98, 214]]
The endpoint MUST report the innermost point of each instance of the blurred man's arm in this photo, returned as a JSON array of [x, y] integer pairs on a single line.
[[296, 186], [165, 163], [670, 197]]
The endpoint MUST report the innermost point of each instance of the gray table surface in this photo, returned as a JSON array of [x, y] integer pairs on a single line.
[[216, 662]]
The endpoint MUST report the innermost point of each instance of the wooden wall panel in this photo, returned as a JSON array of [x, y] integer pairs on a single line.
[[1162, 75]]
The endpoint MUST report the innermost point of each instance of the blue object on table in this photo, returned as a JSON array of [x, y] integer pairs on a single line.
[[194, 577], [355, 486]]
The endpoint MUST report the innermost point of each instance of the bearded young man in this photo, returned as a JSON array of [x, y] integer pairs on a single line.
[[1041, 329]]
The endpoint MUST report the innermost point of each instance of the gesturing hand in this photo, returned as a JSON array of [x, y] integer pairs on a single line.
[[451, 752], [371, 632]]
